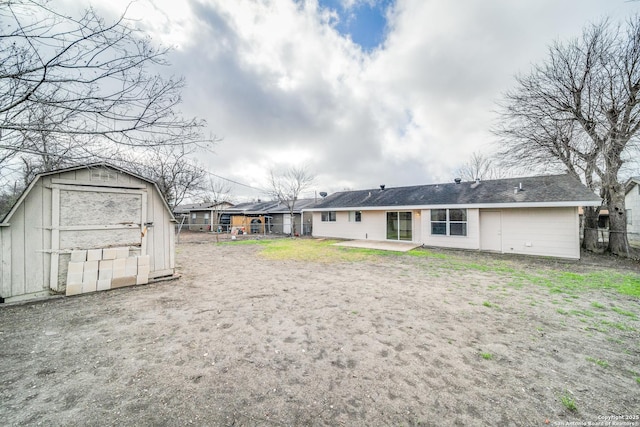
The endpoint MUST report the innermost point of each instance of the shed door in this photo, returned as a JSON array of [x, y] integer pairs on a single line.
[[491, 230], [90, 218]]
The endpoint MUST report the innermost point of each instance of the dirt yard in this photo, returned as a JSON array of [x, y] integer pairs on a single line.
[[449, 338]]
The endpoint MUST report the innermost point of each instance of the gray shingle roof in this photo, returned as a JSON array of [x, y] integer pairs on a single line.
[[539, 189]]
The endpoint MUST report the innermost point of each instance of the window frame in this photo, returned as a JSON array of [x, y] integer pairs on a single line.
[[328, 216], [448, 222], [355, 216], [397, 219]]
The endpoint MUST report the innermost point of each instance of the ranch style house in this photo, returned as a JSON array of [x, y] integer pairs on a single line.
[[531, 215]]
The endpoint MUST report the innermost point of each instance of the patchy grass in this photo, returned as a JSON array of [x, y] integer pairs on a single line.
[[625, 313], [599, 362], [565, 282], [568, 402], [486, 356]]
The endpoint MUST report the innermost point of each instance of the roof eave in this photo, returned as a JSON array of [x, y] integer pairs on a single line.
[[560, 204]]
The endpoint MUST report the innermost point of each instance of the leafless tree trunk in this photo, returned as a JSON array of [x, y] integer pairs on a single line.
[[580, 110], [287, 186]]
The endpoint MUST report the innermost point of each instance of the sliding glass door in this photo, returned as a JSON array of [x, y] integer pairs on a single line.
[[399, 226]]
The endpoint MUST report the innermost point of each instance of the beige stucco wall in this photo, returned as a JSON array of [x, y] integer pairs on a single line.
[[530, 231], [541, 231], [372, 226]]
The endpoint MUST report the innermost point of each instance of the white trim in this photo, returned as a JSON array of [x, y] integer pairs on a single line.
[[465, 206], [98, 189], [55, 239], [96, 183]]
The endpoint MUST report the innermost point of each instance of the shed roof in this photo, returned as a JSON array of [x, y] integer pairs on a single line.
[[547, 190], [26, 191]]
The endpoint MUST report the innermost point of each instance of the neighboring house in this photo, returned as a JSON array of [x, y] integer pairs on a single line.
[[83, 229], [533, 215], [281, 217], [632, 206], [251, 217], [269, 217], [202, 216]]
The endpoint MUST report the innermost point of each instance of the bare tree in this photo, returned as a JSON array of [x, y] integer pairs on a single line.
[[580, 111], [479, 166], [85, 77], [218, 193], [287, 186], [177, 175]]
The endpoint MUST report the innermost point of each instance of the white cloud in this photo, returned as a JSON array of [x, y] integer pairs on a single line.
[[280, 85]]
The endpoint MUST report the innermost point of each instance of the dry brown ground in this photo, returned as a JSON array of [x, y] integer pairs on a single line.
[[244, 340]]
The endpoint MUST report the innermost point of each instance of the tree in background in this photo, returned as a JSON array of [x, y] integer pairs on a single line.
[[580, 111], [287, 186], [172, 168], [218, 193], [85, 82], [479, 166]]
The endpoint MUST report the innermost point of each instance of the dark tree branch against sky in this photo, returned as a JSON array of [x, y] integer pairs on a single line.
[[580, 110], [94, 78]]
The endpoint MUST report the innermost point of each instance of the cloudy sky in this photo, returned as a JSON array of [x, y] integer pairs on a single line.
[[361, 92]]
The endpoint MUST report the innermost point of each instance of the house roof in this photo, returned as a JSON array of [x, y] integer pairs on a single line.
[[634, 180], [26, 191], [198, 207], [299, 206], [265, 208], [537, 191]]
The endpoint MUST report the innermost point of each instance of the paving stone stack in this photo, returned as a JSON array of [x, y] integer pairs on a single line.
[[94, 270]]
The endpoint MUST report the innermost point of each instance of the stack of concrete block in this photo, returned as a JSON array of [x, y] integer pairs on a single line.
[[101, 269]]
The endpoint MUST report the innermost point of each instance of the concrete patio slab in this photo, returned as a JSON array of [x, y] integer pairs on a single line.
[[385, 246]]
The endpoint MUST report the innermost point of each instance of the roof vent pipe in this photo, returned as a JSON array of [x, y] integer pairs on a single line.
[[382, 186], [458, 180]]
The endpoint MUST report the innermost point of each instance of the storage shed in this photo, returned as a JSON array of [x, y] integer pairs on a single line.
[[82, 229]]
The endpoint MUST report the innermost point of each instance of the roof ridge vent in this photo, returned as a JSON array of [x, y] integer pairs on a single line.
[[382, 187], [458, 180]]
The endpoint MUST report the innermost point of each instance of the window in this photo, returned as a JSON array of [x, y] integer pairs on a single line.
[[399, 226], [206, 215], [328, 216], [193, 215], [439, 221], [449, 222], [355, 216], [629, 217]]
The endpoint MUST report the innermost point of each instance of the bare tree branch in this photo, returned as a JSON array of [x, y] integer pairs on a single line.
[[92, 78], [580, 111], [287, 186]]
